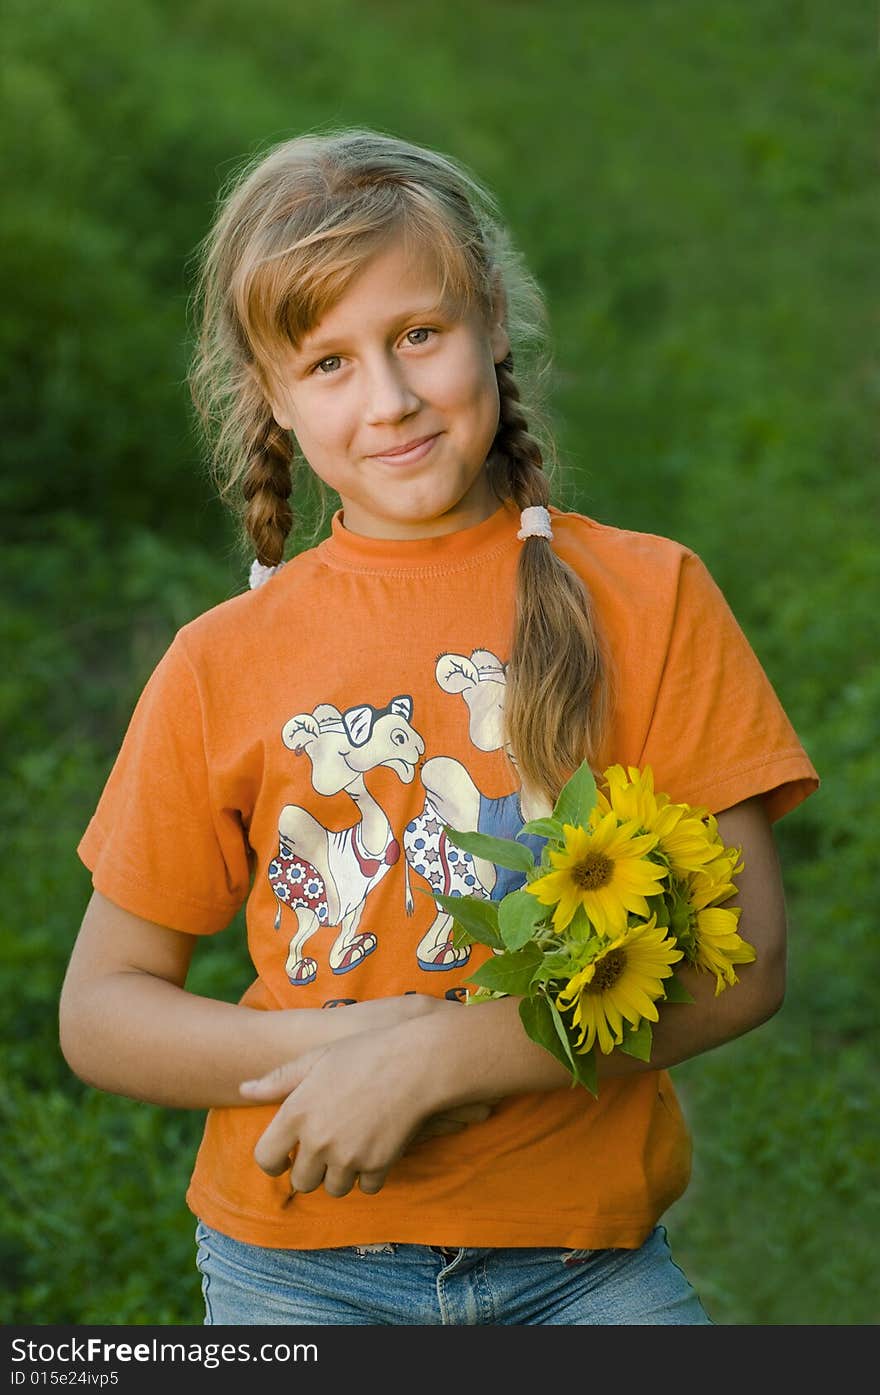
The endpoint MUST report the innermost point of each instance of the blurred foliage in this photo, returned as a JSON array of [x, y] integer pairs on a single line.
[[694, 188]]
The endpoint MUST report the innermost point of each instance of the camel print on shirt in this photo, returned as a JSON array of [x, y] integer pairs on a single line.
[[326, 876]]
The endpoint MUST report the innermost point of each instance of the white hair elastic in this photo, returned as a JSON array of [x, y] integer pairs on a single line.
[[534, 522], [260, 573]]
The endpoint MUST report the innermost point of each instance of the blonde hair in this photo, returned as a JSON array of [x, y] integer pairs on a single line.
[[293, 228]]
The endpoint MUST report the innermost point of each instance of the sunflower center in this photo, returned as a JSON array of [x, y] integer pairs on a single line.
[[592, 871], [608, 971]]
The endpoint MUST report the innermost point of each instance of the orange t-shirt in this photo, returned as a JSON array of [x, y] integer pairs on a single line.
[[298, 747]]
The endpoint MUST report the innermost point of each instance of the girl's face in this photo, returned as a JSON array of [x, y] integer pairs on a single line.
[[388, 367]]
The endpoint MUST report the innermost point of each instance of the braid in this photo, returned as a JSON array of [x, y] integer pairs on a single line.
[[266, 486], [558, 691], [517, 457]]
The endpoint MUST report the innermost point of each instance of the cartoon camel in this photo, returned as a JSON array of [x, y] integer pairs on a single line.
[[452, 798], [325, 876]]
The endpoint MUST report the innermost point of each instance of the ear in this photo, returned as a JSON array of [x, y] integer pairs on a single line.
[[498, 328], [280, 410], [281, 416], [277, 406]]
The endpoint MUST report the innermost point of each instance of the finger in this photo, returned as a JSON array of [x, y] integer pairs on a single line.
[[468, 1113], [372, 1182], [435, 1128], [277, 1084], [275, 1145], [452, 1119], [453, 1122], [307, 1173], [338, 1181]]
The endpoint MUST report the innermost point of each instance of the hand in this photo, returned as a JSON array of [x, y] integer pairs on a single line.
[[349, 1110], [376, 1013], [452, 1121]]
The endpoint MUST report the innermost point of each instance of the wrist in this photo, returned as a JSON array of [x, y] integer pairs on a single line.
[[479, 1052], [425, 1041], [298, 1030]]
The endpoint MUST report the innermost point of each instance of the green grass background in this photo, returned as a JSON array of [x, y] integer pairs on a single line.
[[694, 187]]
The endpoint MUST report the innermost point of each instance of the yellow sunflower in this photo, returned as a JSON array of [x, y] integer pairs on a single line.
[[716, 944], [682, 833], [605, 871], [623, 981], [726, 864]]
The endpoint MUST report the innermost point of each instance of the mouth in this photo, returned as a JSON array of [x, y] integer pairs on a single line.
[[404, 769], [405, 455]]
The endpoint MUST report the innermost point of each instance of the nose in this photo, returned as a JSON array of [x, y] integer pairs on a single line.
[[389, 394]]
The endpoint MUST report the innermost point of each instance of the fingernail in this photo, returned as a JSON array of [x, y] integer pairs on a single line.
[[248, 1084]]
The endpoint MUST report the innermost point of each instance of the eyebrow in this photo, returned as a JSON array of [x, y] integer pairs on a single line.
[[319, 346]]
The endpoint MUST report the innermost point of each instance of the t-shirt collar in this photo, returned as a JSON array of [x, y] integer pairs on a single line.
[[355, 551]]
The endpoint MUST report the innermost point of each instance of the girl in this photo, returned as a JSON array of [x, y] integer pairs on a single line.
[[374, 1152]]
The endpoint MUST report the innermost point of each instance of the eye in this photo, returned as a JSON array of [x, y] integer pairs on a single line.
[[421, 330], [318, 368], [398, 737]]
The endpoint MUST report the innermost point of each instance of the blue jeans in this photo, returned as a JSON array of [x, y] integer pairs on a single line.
[[425, 1285]]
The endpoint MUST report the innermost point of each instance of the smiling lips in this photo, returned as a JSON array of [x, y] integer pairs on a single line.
[[405, 454]]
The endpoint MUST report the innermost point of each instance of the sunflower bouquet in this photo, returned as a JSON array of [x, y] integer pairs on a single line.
[[628, 889]]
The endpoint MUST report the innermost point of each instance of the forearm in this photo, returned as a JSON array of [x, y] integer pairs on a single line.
[[138, 1035], [485, 1053]]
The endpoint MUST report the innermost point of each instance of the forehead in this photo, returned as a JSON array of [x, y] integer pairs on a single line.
[[395, 283]]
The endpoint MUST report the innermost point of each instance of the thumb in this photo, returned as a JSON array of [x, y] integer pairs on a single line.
[[277, 1084]]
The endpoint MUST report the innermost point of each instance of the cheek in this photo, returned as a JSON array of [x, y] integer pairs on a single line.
[[322, 424], [472, 384], [487, 404]]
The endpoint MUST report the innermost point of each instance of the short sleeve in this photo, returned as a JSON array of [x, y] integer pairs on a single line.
[[160, 844], [718, 732]]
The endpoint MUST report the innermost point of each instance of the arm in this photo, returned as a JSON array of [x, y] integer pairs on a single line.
[[350, 1108], [128, 1025], [488, 1054]]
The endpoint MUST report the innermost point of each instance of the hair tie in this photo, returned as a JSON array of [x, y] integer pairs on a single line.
[[259, 573], [534, 522]]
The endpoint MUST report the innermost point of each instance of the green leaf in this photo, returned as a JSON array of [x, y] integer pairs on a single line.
[[555, 964], [544, 828], [577, 798], [637, 1041], [562, 1032], [659, 906], [540, 1018], [461, 938], [504, 852], [509, 973], [580, 928], [585, 1070], [676, 991], [544, 1024], [679, 909], [518, 914], [476, 916]]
